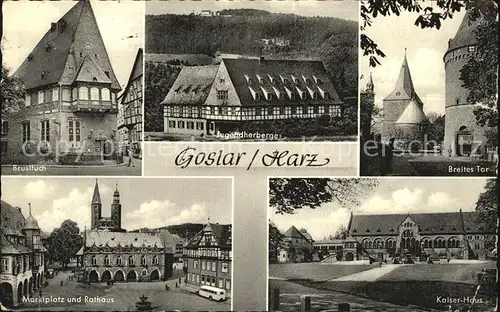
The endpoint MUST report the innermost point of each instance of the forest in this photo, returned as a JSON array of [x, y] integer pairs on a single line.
[[332, 40]]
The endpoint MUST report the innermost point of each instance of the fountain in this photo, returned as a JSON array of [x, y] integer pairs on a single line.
[[143, 305]]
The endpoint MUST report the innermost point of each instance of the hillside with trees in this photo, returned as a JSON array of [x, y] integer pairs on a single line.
[[332, 40]]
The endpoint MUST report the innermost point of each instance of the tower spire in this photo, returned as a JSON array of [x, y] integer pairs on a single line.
[[29, 207], [96, 197]]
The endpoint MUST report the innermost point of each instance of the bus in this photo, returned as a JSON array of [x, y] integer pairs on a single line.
[[212, 293]]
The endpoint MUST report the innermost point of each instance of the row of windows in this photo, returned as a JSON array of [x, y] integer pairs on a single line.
[[211, 266], [441, 243], [181, 124], [209, 280], [284, 78], [292, 94], [176, 111], [20, 264], [84, 93], [119, 260], [74, 131], [208, 252], [378, 243]]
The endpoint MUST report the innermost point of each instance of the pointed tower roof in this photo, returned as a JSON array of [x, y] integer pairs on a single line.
[[404, 89], [465, 34], [61, 51], [370, 86], [116, 193], [96, 198], [30, 223], [413, 114]]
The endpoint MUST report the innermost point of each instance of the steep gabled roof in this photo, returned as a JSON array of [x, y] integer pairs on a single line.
[[135, 73], [413, 114], [61, 51], [192, 85], [90, 71], [465, 34], [292, 232], [404, 89], [112, 239], [222, 233], [428, 223], [12, 219], [238, 68]]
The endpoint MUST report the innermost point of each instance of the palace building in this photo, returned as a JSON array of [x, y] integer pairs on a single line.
[[207, 257], [71, 88], [450, 235], [205, 100], [404, 117], [22, 256], [131, 104], [112, 254], [462, 134]]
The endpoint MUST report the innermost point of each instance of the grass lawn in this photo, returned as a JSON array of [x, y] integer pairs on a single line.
[[313, 271], [463, 273]]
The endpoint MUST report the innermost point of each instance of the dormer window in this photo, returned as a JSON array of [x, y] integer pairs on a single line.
[[391, 230], [255, 94], [300, 92], [259, 78], [378, 230], [354, 230], [43, 74], [279, 94], [249, 79], [284, 80], [306, 79], [30, 58], [266, 93], [312, 93], [271, 78], [290, 94], [367, 230], [294, 79], [53, 27], [316, 80]]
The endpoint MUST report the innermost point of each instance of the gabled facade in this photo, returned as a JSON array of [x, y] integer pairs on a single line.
[[205, 100], [404, 117], [208, 256], [22, 256], [298, 246], [131, 103], [71, 90]]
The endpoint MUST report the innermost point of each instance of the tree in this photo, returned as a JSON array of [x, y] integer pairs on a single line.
[[289, 194], [12, 92], [487, 207], [64, 242], [276, 241], [480, 74], [341, 233]]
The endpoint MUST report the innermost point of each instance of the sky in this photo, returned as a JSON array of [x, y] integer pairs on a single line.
[[347, 9], [425, 51], [146, 202], [25, 23], [392, 195]]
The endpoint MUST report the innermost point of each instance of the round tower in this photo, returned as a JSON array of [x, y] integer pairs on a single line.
[[32, 231], [462, 135]]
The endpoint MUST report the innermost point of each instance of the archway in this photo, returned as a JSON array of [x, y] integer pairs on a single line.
[[30, 286], [6, 294], [131, 276], [35, 282], [349, 256], [94, 276], [119, 277], [106, 276], [20, 292], [464, 141], [25, 288], [155, 275]]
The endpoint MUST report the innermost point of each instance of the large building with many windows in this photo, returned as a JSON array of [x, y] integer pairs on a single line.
[[22, 256], [207, 257], [450, 235], [109, 253], [205, 100], [71, 90], [131, 103]]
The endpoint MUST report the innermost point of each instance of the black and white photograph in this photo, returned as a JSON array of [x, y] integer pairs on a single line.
[[429, 89], [382, 244], [122, 244], [72, 80], [251, 71]]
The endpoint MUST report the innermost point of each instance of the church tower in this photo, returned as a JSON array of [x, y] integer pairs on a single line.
[[96, 208], [367, 101], [395, 104], [116, 209], [461, 133]]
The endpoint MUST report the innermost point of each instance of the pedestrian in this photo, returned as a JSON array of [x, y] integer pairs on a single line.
[[61, 283], [180, 280], [130, 162]]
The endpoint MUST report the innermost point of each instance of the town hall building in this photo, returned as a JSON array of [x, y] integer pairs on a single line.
[[205, 100], [71, 96], [110, 253]]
